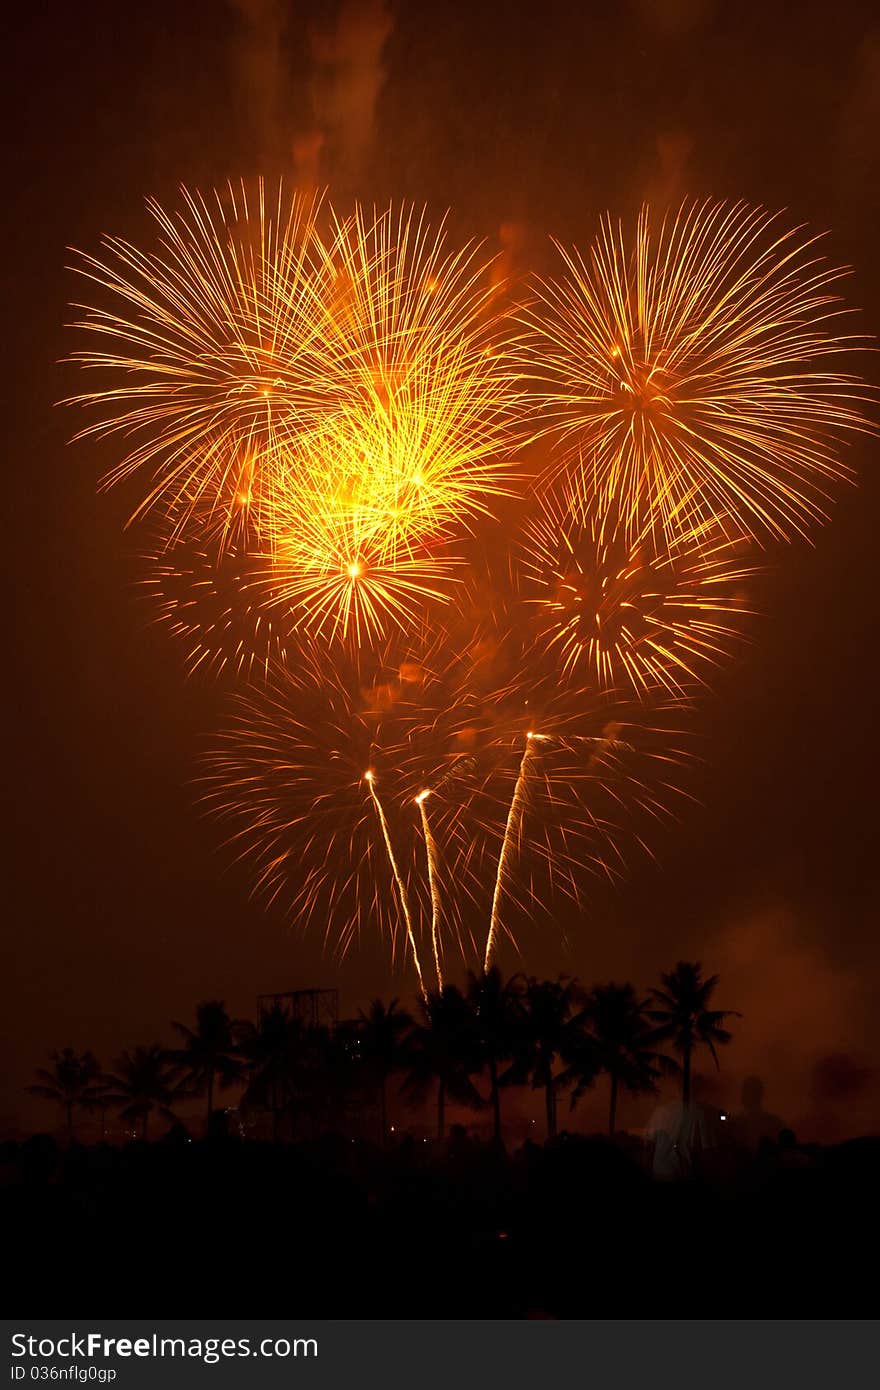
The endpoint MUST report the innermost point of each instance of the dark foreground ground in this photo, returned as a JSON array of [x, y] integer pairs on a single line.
[[333, 1228]]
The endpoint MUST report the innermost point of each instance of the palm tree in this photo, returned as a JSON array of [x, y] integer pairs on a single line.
[[146, 1080], [619, 1042], [272, 1051], [497, 1009], [684, 1018], [73, 1081], [443, 1050], [99, 1099], [548, 1031], [381, 1035], [208, 1055]]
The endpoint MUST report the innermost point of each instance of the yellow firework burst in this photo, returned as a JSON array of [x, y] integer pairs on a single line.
[[698, 364], [368, 503], [622, 612], [431, 399], [338, 557]]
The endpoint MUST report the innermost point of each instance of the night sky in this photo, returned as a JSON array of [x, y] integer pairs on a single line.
[[525, 120]]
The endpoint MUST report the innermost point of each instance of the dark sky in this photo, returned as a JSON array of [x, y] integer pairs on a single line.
[[536, 116]]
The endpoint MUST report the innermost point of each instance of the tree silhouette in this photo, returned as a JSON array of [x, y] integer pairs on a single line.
[[497, 1010], [73, 1081], [272, 1053], [99, 1099], [145, 1081], [323, 1075], [443, 1051], [208, 1055], [682, 1017], [547, 1031], [619, 1042], [381, 1036]]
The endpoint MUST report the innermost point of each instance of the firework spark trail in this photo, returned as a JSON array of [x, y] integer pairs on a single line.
[[431, 857], [401, 887], [511, 829]]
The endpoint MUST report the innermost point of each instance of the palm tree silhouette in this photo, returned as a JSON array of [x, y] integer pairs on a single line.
[[618, 1041], [208, 1055], [73, 1081], [548, 1031], [272, 1051], [145, 1081], [497, 1010], [443, 1050], [381, 1035], [99, 1099], [682, 1017]]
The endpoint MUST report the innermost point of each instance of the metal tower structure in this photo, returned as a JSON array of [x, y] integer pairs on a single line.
[[314, 1008]]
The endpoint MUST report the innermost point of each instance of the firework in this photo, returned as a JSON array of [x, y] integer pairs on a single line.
[[333, 563], [429, 414], [431, 859], [324, 782], [325, 423], [697, 366], [573, 777], [317, 777], [214, 348], [218, 606], [512, 828], [621, 612], [372, 502], [336, 404], [403, 896]]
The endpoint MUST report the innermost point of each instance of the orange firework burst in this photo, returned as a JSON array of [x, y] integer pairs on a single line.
[[220, 340], [324, 421], [622, 613], [390, 801], [318, 775], [217, 604], [339, 405], [696, 366]]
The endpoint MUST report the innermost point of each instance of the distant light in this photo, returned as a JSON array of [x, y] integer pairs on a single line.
[[723, 1115], [392, 1129], [354, 569]]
